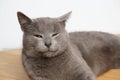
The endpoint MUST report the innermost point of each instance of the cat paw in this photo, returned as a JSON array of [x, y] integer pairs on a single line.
[[40, 78], [90, 78]]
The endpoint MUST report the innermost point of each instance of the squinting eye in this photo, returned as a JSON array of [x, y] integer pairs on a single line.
[[39, 36], [55, 34]]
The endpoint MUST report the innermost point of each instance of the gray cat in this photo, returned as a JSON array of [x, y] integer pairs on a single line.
[[50, 53]]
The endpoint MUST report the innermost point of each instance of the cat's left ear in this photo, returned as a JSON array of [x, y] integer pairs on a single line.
[[65, 17]]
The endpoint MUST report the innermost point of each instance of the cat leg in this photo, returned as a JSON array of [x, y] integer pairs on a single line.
[[86, 74], [84, 77], [40, 78], [117, 64]]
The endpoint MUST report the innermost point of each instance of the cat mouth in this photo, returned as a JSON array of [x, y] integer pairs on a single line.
[[47, 51]]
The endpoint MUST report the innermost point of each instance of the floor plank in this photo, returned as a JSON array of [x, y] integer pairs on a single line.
[[11, 67]]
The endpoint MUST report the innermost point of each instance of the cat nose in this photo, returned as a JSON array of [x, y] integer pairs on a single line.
[[48, 44]]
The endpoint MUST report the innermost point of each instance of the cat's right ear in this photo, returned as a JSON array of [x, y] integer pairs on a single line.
[[23, 20]]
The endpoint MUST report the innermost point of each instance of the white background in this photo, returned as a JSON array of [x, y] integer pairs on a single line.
[[87, 15]]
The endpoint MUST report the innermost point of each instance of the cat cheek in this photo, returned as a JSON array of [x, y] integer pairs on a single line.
[[54, 46], [41, 47]]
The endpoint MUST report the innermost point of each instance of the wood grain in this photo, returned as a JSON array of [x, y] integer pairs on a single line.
[[11, 68]]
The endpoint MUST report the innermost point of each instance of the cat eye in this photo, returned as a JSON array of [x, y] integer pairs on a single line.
[[55, 34], [39, 36]]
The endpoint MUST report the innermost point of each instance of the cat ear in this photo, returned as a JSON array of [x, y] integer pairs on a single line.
[[65, 17], [23, 19]]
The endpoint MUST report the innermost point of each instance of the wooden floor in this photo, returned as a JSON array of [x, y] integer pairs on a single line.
[[11, 68]]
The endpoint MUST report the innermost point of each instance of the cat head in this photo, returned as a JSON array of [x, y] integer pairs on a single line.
[[44, 36]]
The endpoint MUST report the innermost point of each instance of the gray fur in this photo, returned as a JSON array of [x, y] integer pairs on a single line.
[[50, 53]]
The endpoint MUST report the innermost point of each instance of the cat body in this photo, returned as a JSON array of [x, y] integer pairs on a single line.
[[100, 50], [50, 53]]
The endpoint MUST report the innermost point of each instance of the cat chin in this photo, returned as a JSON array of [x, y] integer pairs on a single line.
[[51, 54], [48, 54]]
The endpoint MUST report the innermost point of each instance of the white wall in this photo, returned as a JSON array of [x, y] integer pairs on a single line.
[[100, 15]]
